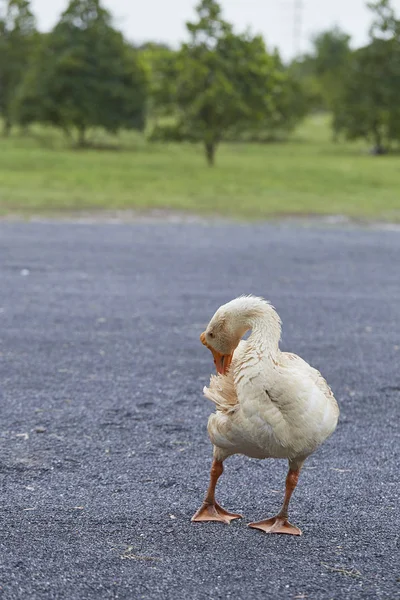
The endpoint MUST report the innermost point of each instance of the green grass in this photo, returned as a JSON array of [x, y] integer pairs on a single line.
[[307, 175]]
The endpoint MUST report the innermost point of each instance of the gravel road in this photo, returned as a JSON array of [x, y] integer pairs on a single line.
[[104, 455]]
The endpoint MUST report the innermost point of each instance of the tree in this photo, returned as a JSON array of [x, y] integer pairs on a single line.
[[331, 51], [17, 41], [331, 59], [289, 104], [302, 70], [85, 76], [162, 65], [224, 82], [322, 71], [385, 25], [369, 105], [291, 100]]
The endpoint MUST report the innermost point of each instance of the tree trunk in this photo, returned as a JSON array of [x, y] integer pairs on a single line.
[[378, 148], [68, 135], [82, 136], [210, 148], [6, 127]]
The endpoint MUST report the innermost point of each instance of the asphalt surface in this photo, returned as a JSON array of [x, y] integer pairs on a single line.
[[104, 453]]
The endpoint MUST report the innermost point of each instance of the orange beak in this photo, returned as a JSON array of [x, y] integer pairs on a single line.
[[222, 361]]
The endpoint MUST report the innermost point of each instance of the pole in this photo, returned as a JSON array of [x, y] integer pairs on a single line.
[[297, 26]]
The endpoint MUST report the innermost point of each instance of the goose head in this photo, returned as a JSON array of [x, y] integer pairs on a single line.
[[232, 321]]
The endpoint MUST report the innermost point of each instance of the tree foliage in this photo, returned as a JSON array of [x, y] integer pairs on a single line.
[[302, 69], [331, 59], [220, 85], [323, 69], [17, 40], [369, 106], [85, 76], [331, 51], [223, 83], [385, 25], [162, 65]]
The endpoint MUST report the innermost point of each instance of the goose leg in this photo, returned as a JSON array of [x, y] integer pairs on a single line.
[[210, 509], [280, 523]]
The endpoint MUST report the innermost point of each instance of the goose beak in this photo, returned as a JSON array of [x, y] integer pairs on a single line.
[[222, 361], [203, 339]]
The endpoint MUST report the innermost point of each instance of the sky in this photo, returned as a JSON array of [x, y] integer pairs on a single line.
[[164, 20]]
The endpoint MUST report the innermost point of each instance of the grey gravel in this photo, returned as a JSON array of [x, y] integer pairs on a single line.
[[104, 451]]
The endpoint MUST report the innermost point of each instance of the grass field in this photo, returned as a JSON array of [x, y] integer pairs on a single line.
[[307, 175]]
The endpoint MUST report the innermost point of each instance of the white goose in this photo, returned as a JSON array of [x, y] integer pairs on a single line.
[[270, 404]]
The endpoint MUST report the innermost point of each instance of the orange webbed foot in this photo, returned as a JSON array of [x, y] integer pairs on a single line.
[[214, 512], [276, 525]]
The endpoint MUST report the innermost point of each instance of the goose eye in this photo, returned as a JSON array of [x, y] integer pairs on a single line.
[[211, 335]]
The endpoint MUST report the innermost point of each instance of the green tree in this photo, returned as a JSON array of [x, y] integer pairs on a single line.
[[224, 82], [291, 100], [369, 106], [331, 51], [331, 59], [289, 104], [385, 23], [302, 70], [85, 76], [162, 65], [321, 72], [17, 41]]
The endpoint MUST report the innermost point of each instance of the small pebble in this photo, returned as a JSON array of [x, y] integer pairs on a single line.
[[40, 429]]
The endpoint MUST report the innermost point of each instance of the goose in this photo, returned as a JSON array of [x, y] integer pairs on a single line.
[[269, 403]]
